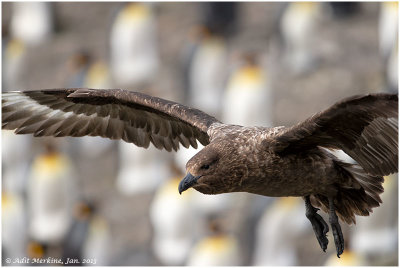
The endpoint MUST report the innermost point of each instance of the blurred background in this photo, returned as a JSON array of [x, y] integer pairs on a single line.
[[269, 64]]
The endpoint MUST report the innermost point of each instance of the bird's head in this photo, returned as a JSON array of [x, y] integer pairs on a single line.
[[213, 170]]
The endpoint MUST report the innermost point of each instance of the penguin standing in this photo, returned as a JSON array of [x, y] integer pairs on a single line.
[[16, 157], [172, 218], [388, 43], [98, 75], [97, 243], [88, 238], [13, 225], [247, 99], [50, 196], [134, 64], [376, 240], [14, 51], [31, 22], [280, 248], [133, 46], [388, 27], [206, 73], [298, 26], [216, 249]]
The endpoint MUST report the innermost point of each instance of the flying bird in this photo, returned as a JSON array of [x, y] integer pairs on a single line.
[[270, 161]]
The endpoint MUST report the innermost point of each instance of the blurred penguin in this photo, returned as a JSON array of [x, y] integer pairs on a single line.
[[50, 193], [216, 249], [172, 219], [97, 244], [135, 63], [207, 71], [12, 62], [98, 75], [298, 26], [133, 44], [392, 75], [277, 231], [88, 237], [31, 22], [247, 99], [218, 22], [376, 238], [77, 68], [76, 236], [85, 70], [388, 27], [388, 43], [36, 250], [16, 157], [13, 225]]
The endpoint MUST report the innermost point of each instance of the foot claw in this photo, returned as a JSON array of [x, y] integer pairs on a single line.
[[338, 237], [320, 229]]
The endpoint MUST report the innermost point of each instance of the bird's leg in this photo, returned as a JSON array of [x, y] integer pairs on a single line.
[[319, 225], [336, 229]]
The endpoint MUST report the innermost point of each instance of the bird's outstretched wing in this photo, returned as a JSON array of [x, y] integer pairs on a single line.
[[113, 113], [365, 127]]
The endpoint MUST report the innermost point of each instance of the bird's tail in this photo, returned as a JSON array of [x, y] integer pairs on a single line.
[[358, 193]]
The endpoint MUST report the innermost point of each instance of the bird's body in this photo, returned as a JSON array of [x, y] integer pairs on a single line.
[[281, 161], [263, 172]]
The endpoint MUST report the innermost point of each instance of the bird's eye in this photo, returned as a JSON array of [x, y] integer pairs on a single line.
[[205, 167]]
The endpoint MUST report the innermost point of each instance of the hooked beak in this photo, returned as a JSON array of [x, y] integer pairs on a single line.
[[188, 181]]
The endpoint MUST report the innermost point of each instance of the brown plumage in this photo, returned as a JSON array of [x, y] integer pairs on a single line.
[[279, 161]]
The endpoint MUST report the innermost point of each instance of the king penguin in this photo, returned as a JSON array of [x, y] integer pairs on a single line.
[[50, 196], [218, 248], [298, 27], [32, 22], [247, 99], [133, 46], [172, 218]]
